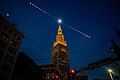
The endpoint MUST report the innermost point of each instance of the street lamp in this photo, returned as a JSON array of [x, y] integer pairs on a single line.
[[110, 73]]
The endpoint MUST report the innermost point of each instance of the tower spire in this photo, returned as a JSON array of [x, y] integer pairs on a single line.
[[59, 30], [60, 37]]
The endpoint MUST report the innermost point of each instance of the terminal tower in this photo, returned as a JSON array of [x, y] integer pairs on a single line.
[[60, 56]]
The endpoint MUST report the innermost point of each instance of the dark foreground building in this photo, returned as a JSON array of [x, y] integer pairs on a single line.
[[10, 41], [51, 72], [26, 69], [82, 77]]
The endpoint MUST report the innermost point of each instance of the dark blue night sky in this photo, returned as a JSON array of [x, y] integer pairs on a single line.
[[97, 18]]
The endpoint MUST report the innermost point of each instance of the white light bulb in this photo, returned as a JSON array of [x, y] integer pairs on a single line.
[[59, 21], [110, 70], [7, 14]]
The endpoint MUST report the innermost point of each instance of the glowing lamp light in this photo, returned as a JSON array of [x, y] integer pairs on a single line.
[[7, 14], [110, 70], [110, 73], [56, 76], [59, 21], [72, 71]]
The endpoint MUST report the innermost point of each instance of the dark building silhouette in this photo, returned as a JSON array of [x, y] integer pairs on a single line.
[[10, 41], [26, 69], [60, 56], [82, 77]]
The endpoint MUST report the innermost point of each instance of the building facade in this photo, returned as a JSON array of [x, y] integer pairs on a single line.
[[82, 77], [51, 71], [10, 41], [60, 56]]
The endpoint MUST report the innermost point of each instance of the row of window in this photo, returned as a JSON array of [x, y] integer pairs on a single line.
[[14, 43], [11, 32], [1, 54], [6, 38], [12, 51], [3, 76], [6, 67], [9, 58], [14, 35], [2, 44]]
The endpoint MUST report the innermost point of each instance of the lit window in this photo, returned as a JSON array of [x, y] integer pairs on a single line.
[[14, 43], [4, 36]]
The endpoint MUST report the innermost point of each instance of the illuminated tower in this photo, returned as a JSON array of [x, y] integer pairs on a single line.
[[60, 56]]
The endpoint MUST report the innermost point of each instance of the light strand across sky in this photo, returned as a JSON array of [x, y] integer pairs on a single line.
[[45, 12]]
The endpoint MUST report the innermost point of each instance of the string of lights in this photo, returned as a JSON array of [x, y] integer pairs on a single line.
[[82, 33], [45, 12]]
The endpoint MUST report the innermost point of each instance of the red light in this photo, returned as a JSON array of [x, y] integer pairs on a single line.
[[72, 71], [56, 76]]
